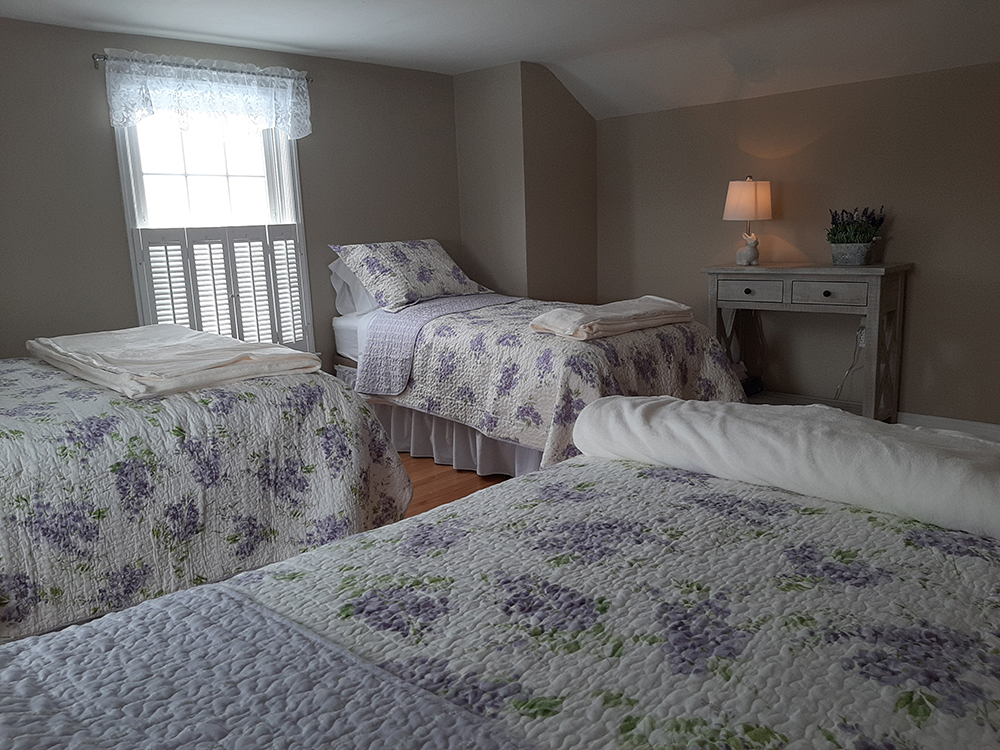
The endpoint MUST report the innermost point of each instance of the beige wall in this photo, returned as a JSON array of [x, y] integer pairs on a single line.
[[491, 178], [380, 164], [384, 161], [527, 159], [926, 146], [560, 187]]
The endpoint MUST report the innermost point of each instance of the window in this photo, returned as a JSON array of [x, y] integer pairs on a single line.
[[212, 201]]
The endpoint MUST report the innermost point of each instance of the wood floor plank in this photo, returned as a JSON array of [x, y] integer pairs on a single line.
[[435, 484]]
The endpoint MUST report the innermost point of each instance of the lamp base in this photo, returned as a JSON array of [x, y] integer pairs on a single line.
[[748, 256]]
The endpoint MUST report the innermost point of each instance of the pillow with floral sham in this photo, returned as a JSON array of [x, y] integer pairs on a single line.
[[398, 274]]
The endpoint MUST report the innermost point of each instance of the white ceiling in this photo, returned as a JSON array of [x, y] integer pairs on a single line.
[[618, 57]]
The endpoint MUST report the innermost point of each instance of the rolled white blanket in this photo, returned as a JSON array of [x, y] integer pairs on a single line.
[[946, 478], [597, 321], [161, 359]]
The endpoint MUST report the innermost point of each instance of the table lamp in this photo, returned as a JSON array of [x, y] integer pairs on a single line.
[[748, 201]]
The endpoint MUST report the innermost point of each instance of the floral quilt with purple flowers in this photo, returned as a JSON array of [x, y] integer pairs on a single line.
[[398, 274], [612, 604], [487, 369], [597, 604], [106, 501]]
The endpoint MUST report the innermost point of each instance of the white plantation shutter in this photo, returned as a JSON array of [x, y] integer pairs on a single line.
[[244, 282], [208, 249], [168, 292], [287, 286], [252, 289]]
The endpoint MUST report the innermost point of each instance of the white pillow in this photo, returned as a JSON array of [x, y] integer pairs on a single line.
[[936, 476], [352, 297]]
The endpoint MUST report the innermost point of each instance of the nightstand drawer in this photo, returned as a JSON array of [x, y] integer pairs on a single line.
[[830, 293], [754, 290]]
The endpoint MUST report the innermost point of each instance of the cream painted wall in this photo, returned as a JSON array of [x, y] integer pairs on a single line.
[[560, 188], [384, 162], [527, 158], [491, 178], [380, 164], [925, 145]]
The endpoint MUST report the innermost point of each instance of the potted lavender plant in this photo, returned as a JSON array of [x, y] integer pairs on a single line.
[[852, 234]]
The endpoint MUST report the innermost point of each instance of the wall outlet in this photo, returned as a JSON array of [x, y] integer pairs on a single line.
[[862, 337]]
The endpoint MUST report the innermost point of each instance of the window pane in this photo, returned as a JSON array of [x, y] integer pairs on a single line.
[[160, 145], [166, 200], [249, 200], [244, 152], [204, 147], [209, 201]]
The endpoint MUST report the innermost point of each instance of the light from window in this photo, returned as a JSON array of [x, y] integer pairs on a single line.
[[211, 173]]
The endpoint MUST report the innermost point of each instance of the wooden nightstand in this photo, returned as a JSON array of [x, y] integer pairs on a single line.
[[875, 292]]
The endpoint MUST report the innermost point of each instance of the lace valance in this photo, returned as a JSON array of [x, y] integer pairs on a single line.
[[140, 85]]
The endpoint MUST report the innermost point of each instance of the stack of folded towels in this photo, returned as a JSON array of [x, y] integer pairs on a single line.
[[161, 359], [597, 321]]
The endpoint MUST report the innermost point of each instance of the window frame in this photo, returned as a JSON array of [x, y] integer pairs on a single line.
[[285, 202]]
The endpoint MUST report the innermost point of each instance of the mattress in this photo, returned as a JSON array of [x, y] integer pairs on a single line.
[[351, 333]]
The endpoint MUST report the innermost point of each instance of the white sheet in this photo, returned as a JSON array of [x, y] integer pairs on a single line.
[[351, 333], [161, 359], [936, 476], [597, 321]]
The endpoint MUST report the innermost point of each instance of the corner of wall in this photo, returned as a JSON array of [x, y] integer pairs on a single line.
[[491, 177], [560, 171]]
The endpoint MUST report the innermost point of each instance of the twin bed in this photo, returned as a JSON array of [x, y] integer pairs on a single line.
[[106, 501], [454, 371], [620, 599]]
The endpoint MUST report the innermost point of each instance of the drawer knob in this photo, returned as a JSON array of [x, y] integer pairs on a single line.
[[827, 293], [748, 290]]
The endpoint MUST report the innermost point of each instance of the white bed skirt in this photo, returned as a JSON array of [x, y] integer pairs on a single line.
[[424, 436]]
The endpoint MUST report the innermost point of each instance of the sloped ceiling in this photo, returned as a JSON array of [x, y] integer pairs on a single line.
[[618, 57]]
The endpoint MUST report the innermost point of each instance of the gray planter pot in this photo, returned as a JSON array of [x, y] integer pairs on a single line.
[[851, 253]]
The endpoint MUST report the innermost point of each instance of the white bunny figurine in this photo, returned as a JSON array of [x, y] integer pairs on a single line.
[[748, 256]]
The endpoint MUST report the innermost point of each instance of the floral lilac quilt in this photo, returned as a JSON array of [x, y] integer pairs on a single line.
[[485, 368], [106, 501], [596, 604]]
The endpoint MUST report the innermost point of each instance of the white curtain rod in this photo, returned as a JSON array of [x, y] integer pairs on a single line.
[[99, 57]]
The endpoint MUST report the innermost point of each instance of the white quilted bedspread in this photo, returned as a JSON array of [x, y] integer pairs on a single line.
[[487, 369], [106, 501], [597, 604]]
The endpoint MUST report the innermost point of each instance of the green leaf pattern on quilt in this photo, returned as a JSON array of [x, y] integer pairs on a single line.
[[613, 604], [117, 500], [487, 369]]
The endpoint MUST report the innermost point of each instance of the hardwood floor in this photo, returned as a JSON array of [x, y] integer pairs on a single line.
[[435, 485]]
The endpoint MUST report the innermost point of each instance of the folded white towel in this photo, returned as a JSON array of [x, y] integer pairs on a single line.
[[597, 321], [161, 359]]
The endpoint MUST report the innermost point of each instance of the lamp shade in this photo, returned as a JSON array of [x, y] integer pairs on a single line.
[[748, 200]]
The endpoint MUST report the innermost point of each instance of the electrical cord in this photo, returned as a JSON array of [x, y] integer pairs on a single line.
[[854, 362]]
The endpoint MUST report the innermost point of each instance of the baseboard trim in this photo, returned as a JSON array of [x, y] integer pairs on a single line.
[[979, 429]]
